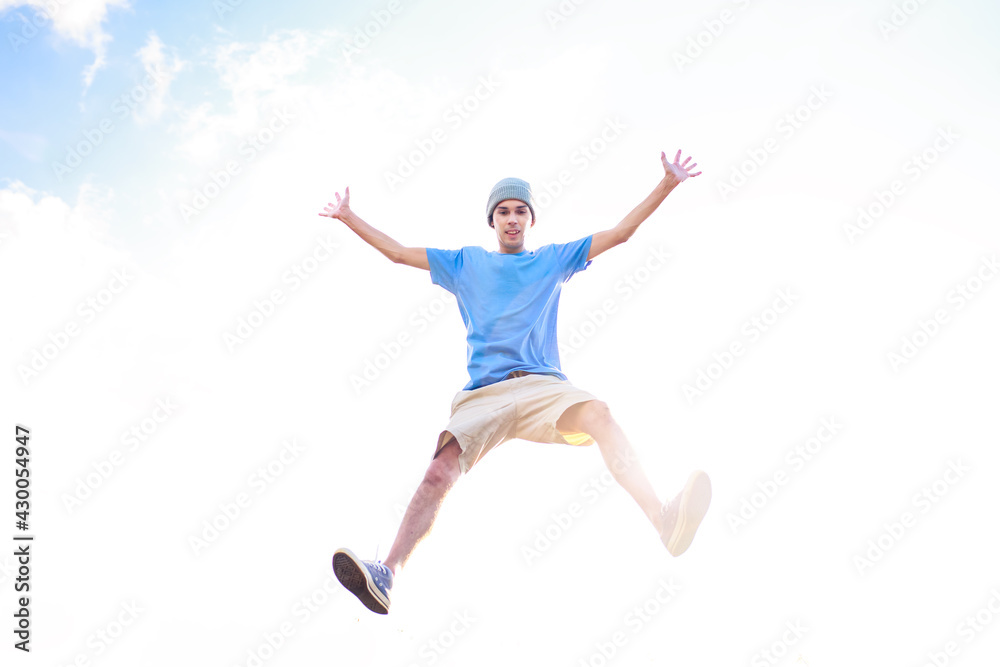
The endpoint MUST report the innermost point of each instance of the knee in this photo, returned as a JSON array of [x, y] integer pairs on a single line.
[[444, 470], [595, 416]]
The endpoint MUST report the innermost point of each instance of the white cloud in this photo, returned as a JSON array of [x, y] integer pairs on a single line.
[[50, 247], [31, 216], [251, 69], [79, 21], [153, 59], [258, 75]]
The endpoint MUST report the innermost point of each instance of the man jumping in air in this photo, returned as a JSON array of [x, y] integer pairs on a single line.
[[509, 300]]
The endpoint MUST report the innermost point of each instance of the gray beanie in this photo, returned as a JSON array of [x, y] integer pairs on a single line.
[[509, 188]]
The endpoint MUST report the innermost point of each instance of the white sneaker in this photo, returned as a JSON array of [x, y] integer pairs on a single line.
[[681, 517]]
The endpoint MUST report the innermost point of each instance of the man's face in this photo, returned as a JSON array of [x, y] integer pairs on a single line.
[[511, 220]]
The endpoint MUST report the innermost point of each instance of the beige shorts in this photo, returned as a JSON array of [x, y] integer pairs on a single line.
[[526, 408]]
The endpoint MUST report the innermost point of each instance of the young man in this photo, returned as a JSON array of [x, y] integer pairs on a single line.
[[508, 300]]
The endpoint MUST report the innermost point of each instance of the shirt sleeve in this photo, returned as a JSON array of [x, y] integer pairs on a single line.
[[446, 265], [572, 257]]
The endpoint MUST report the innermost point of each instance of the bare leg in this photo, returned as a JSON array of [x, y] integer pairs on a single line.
[[441, 475], [594, 418]]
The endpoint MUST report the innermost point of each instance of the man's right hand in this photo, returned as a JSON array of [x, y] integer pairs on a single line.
[[415, 257], [342, 209]]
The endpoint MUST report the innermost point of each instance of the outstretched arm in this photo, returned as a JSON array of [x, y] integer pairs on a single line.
[[674, 173], [397, 252]]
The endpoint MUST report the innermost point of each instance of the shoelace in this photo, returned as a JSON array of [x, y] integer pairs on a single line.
[[664, 511], [377, 565], [380, 568]]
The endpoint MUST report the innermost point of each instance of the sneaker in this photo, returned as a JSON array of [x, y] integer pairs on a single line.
[[681, 517], [370, 580]]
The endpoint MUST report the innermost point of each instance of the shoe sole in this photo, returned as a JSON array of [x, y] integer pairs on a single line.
[[695, 498], [355, 578]]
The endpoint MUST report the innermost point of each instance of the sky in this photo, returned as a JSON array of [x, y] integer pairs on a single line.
[[220, 388]]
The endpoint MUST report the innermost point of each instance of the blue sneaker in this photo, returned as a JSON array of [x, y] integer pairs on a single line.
[[369, 580]]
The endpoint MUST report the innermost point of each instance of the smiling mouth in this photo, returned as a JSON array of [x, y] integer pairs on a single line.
[[512, 233]]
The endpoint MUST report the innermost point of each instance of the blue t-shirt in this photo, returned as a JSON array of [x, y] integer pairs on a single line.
[[509, 303]]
